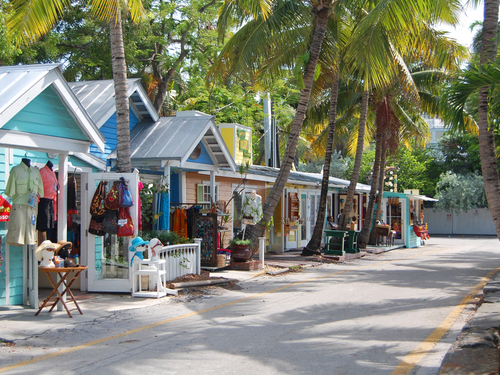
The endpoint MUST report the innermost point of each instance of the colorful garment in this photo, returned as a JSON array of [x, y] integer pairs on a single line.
[[139, 206], [50, 187]]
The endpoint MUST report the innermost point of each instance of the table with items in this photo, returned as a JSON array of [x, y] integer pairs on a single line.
[[67, 276]]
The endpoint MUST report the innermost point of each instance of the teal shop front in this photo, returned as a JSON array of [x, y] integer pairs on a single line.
[[41, 120]]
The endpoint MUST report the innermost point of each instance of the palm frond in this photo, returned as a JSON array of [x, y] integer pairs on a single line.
[[31, 19]]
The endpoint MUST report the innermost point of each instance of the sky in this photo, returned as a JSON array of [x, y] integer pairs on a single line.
[[462, 32]]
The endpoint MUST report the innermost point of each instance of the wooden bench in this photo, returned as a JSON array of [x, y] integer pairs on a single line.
[[339, 242]]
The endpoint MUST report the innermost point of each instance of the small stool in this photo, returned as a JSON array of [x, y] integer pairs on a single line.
[[391, 237]]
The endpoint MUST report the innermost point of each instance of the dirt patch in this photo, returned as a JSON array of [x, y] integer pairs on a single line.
[[322, 259], [4, 342], [193, 277]]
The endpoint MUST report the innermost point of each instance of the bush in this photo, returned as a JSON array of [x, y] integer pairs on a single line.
[[460, 192], [165, 236]]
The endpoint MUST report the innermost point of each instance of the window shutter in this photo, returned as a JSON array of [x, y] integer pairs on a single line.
[[199, 193]]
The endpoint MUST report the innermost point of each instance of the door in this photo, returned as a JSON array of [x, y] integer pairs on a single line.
[[292, 217], [107, 256], [303, 219], [311, 212]]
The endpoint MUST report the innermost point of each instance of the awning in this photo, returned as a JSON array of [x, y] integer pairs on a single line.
[[423, 198]]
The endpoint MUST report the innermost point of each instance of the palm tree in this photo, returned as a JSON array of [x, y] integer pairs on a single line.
[[33, 18], [320, 10], [398, 111], [380, 12], [489, 163], [377, 39]]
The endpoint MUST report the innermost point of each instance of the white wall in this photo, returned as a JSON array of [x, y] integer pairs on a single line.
[[473, 222]]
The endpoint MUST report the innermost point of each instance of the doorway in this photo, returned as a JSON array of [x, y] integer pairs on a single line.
[[108, 256]]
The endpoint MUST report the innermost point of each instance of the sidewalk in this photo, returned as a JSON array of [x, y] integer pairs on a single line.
[[19, 322], [476, 349]]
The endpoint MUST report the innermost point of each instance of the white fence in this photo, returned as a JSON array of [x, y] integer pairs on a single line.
[[474, 222], [181, 259]]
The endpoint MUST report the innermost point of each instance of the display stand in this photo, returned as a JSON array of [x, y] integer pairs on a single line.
[[382, 234], [150, 268], [205, 227], [66, 274]]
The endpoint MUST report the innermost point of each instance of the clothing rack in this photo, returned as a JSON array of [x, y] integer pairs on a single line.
[[190, 204]]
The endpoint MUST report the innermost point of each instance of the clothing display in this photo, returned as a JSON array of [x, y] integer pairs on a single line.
[[72, 204], [252, 208], [47, 207], [139, 216], [179, 222], [24, 186], [46, 216]]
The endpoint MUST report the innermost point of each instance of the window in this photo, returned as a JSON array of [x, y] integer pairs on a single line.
[[203, 193]]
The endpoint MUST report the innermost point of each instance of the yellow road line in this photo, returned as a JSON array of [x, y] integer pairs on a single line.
[[143, 328], [416, 355]]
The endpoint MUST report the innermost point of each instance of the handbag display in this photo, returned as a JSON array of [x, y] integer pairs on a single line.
[[97, 207], [126, 199], [110, 222], [95, 226], [112, 200], [125, 223]]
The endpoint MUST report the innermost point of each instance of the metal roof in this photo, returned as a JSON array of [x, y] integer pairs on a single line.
[[300, 177], [98, 98], [22, 83], [175, 138]]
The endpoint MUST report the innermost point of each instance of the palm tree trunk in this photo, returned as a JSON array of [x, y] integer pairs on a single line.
[[367, 223], [357, 161], [256, 231], [489, 164], [313, 247], [121, 95], [381, 178]]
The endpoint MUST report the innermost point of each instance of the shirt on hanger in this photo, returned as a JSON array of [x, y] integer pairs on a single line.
[[49, 182]]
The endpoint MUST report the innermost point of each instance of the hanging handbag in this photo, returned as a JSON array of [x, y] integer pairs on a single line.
[[95, 226], [126, 199], [110, 222], [112, 200], [125, 223], [97, 207]]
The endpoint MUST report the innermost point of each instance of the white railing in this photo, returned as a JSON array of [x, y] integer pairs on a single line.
[[181, 259]]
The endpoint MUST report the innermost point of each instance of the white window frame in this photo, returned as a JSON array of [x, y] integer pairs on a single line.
[[206, 192]]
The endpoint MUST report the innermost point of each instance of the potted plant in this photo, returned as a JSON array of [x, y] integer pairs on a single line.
[[240, 250]]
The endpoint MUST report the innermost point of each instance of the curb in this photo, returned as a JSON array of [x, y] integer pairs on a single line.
[[475, 350]]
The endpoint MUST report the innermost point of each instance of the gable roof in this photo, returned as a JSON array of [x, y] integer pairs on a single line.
[[98, 98], [174, 139], [19, 85]]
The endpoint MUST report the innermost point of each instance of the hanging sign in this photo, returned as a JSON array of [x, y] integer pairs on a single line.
[[4, 209]]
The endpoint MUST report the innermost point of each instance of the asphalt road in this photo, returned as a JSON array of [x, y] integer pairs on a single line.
[[394, 313]]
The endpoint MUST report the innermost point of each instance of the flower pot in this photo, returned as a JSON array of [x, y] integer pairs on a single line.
[[240, 253]]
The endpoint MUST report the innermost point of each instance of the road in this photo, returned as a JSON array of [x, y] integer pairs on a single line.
[[394, 313]]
